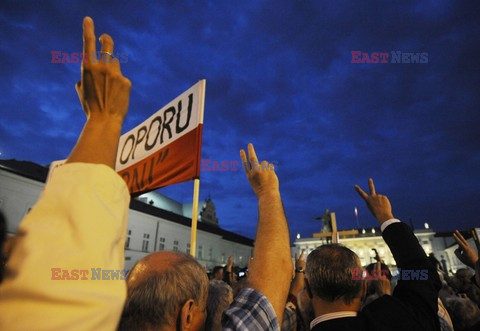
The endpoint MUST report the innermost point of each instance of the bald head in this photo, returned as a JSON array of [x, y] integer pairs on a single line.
[[158, 287], [155, 264]]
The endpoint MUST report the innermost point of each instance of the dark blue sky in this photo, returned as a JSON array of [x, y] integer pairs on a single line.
[[279, 75]]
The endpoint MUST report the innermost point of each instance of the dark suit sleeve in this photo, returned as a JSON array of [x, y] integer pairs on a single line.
[[419, 296]]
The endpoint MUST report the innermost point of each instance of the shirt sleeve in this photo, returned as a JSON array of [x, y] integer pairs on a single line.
[[250, 310], [387, 223], [78, 224], [289, 322]]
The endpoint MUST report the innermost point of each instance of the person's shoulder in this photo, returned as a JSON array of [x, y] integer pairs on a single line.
[[395, 226], [388, 313], [383, 304], [345, 324], [250, 310]]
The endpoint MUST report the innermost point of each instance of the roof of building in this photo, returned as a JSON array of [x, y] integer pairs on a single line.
[[465, 233], [169, 216], [26, 169], [369, 233], [39, 173]]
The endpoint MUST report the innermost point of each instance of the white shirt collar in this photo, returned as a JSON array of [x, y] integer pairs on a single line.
[[331, 316]]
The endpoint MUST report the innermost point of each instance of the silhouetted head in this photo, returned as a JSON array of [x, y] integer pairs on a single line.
[[166, 291], [329, 274]]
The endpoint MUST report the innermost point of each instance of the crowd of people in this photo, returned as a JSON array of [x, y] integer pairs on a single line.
[[80, 222]]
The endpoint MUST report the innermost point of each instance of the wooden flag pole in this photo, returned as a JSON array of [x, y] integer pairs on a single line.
[[193, 235]]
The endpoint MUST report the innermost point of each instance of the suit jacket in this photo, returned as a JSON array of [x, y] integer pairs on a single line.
[[413, 305]]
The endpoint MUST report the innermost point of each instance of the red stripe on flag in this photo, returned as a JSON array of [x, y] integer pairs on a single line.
[[177, 162]]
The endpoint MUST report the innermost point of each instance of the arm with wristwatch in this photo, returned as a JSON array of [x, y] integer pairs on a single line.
[[298, 282]]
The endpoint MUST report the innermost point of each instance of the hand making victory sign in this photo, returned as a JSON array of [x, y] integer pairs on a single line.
[[465, 252], [102, 89], [104, 94], [272, 244], [262, 176], [379, 205]]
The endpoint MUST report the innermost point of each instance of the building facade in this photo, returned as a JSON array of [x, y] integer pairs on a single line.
[[155, 222], [441, 245], [158, 223]]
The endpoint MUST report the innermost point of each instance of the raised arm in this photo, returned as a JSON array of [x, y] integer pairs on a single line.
[[467, 255], [227, 275], [271, 268], [378, 204], [104, 94], [404, 246], [55, 250], [419, 295], [298, 282]]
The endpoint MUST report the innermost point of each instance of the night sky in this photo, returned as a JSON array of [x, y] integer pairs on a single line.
[[280, 75]]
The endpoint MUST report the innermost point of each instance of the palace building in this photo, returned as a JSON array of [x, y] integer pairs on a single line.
[[155, 222], [442, 245]]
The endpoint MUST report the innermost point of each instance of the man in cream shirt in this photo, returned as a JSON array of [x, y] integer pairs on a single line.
[[79, 221]]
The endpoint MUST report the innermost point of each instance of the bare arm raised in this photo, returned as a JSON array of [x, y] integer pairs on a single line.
[[104, 94], [467, 255], [271, 267], [298, 282], [54, 240]]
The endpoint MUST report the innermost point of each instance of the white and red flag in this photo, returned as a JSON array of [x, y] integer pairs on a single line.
[[165, 149]]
